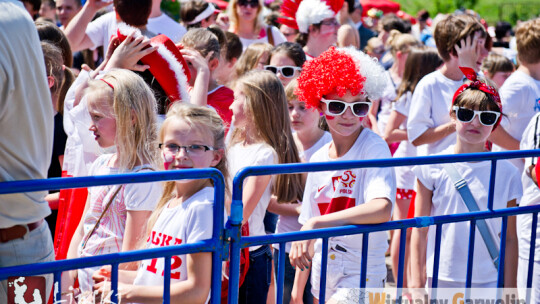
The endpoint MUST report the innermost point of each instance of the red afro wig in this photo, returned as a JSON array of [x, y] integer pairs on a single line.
[[339, 70]]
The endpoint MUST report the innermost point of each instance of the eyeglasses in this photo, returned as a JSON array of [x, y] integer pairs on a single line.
[[330, 22], [191, 150], [487, 118], [248, 3], [287, 70], [338, 107]]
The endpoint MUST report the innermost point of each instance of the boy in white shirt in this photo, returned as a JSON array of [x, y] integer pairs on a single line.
[[520, 93], [429, 122]]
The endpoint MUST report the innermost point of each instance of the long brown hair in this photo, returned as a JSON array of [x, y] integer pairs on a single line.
[[266, 107], [419, 63]]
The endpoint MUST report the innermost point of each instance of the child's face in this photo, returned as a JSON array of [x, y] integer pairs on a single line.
[[239, 118], [302, 119], [499, 78], [103, 121], [345, 124], [179, 134], [281, 60], [473, 132]]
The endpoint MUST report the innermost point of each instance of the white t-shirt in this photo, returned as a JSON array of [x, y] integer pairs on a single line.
[[186, 223], [388, 96], [287, 223], [276, 34], [259, 154], [447, 200], [531, 192], [520, 97], [404, 176], [101, 29], [430, 107], [331, 191]]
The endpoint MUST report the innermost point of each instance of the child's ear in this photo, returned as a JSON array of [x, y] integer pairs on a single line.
[[133, 117], [50, 80], [213, 64], [218, 155]]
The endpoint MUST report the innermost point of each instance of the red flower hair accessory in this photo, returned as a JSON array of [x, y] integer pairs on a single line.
[[339, 70], [478, 85]]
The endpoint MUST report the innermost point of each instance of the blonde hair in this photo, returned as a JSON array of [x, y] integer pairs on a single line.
[[235, 20], [203, 41], [399, 42], [250, 58], [266, 107], [528, 41], [134, 108], [204, 119]]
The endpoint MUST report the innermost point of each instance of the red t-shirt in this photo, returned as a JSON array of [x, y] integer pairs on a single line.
[[221, 99]]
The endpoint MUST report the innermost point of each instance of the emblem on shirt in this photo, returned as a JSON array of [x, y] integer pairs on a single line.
[[342, 197]]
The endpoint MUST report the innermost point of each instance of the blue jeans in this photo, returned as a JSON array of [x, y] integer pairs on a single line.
[[288, 281], [257, 281], [34, 247]]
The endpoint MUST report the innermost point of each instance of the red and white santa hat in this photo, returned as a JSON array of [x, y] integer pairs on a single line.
[[300, 14], [166, 63]]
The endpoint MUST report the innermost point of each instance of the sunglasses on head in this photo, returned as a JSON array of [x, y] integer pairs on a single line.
[[487, 118], [248, 3], [338, 107], [287, 70]]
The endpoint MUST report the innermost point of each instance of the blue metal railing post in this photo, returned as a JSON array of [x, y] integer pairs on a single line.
[[324, 270], [234, 224], [401, 263], [281, 272], [532, 248]]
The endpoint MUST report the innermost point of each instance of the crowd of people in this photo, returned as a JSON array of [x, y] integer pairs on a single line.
[[100, 88]]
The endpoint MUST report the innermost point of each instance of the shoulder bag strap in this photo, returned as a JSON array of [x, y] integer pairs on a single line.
[[470, 202], [107, 207], [101, 216]]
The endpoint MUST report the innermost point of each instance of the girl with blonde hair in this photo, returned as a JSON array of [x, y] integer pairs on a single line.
[[262, 137], [255, 57], [400, 46], [190, 137], [123, 112]]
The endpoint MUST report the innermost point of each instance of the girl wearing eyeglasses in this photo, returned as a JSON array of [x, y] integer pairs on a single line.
[[286, 60], [190, 137], [246, 21], [340, 83], [476, 110]]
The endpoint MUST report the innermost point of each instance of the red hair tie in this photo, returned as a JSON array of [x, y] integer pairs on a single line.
[[108, 83], [478, 85]]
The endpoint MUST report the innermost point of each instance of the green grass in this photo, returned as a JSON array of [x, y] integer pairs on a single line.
[[491, 10]]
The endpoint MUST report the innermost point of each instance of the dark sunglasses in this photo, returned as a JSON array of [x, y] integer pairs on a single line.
[[248, 3], [286, 71], [338, 107], [487, 118]]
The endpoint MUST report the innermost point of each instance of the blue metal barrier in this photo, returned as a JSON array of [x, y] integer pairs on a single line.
[[237, 242], [216, 245]]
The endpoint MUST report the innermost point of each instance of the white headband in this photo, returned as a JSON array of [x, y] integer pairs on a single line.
[[204, 14]]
